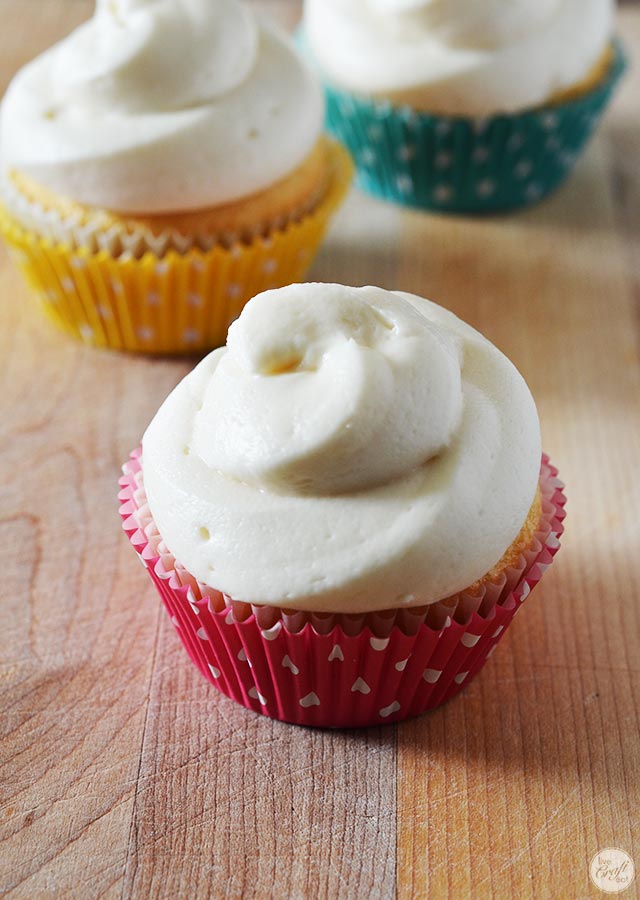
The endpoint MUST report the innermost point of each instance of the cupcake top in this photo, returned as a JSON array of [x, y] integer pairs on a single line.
[[350, 449], [162, 106], [459, 57]]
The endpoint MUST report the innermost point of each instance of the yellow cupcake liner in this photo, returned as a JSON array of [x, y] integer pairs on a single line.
[[174, 304]]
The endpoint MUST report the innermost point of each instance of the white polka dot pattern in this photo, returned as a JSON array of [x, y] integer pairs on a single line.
[[167, 293], [145, 333], [496, 162]]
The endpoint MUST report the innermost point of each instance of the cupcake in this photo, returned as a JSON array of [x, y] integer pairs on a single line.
[[160, 166], [344, 508], [459, 106]]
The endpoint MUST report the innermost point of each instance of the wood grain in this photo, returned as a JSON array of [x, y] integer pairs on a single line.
[[125, 774]]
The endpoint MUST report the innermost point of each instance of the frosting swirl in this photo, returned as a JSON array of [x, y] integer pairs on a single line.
[[372, 393], [350, 449], [162, 106], [456, 56]]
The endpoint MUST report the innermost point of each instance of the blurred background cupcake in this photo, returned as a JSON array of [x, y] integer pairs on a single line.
[[160, 166], [459, 105], [345, 507]]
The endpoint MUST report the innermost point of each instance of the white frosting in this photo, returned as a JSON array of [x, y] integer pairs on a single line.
[[162, 106], [464, 57], [350, 449]]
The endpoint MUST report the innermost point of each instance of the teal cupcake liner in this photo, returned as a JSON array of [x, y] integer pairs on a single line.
[[458, 164]]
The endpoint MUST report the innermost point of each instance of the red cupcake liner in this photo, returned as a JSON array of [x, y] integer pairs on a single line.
[[344, 671]]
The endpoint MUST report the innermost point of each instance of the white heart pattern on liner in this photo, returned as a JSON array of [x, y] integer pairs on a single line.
[[401, 666], [255, 693], [310, 700], [287, 664], [469, 640], [215, 672], [431, 675], [361, 686], [388, 710], [379, 643], [202, 634], [336, 653], [191, 597], [270, 634]]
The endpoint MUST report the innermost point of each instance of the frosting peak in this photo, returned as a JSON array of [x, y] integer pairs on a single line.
[[350, 449], [142, 56], [350, 391], [160, 106]]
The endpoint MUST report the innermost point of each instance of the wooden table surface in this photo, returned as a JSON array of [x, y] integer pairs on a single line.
[[126, 774]]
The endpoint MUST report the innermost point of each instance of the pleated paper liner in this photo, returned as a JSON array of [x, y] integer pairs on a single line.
[[458, 164], [174, 303], [339, 671]]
